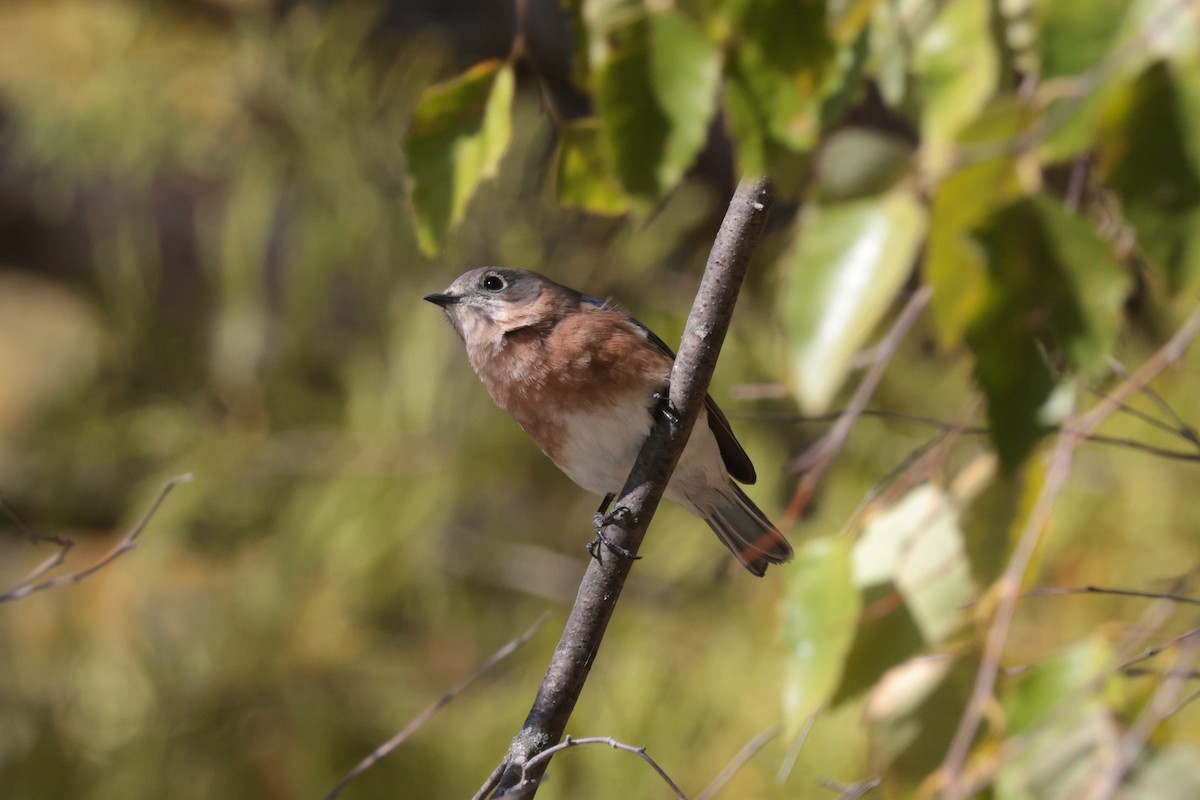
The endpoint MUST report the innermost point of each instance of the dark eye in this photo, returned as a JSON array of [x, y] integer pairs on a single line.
[[493, 282]]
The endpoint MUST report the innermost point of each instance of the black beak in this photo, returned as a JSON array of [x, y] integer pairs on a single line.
[[442, 299]]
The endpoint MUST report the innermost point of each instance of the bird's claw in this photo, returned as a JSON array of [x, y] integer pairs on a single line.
[[618, 516], [662, 407]]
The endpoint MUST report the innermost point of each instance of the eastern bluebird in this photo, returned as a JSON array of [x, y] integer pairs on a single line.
[[584, 379]]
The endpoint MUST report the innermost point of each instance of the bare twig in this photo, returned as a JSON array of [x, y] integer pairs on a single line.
[[1161, 647], [1060, 590], [1184, 703], [391, 744], [60, 555], [1142, 416], [1078, 182], [1161, 705], [817, 458], [492, 782], [740, 760], [526, 784], [602, 583], [1183, 432], [1008, 587], [1146, 672], [851, 791], [129, 542], [789, 760]]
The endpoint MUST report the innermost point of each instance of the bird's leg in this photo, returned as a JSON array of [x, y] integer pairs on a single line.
[[619, 516], [663, 408]]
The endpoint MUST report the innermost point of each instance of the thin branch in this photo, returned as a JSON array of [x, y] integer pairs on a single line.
[[602, 583], [1184, 703], [1090, 589], [1008, 587], [980, 430], [851, 791], [740, 760], [1146, 672], [526, 784], [59, 557], [1181, 428], [1161, 705], [492, 782], [1151, 652], [381, 752], [1170, 354], [817, 459], [521, 51], [918, 464], [1142, 416], [129, 542], [789, 760], [1078, 182], [1148, 449]]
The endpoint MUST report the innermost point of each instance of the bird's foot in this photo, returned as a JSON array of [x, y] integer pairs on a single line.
[[663, 407], [618, 516]]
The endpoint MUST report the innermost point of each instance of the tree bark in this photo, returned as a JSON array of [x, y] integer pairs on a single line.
[[605, 578]]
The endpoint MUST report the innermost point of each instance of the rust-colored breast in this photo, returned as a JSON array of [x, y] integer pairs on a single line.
[[591, 359]]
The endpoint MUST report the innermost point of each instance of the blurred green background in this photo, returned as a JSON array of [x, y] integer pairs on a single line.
[[207, 265]]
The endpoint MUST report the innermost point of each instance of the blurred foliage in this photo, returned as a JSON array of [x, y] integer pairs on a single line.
[[218, 217]]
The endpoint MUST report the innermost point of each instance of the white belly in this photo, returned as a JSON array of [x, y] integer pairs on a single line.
[[602, 444]]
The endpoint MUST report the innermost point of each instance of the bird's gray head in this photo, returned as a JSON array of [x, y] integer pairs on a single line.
[[487, 303]]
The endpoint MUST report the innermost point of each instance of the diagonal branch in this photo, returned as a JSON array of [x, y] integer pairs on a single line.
[[1008, 587], [640, 752], [381, 752], [817, 459], [127, 543], [603, 581]]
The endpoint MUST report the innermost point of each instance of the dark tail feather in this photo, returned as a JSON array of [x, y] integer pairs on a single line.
[[748, 534]]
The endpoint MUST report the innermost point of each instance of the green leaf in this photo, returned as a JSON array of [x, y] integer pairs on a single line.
[[910, 713], [1054, 686], [859, 162], [906, 705], [886, 636], [789, 36], [1151, 31], [848, 18], [1096, 281], [1058, 713], [1054, 291], [1014, 376], [955, 265], [1059, 762], [1156, 175], [1072, 36], [917, 545], [819, 619], [958, 70], [1162, 29], [892, 34], [991, 523], [459, 133], [591, 21], [586, 174], [772, 121], [657, 93], [848, 262], [785, 79]]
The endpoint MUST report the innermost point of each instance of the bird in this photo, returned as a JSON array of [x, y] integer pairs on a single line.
[[585, 379]]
